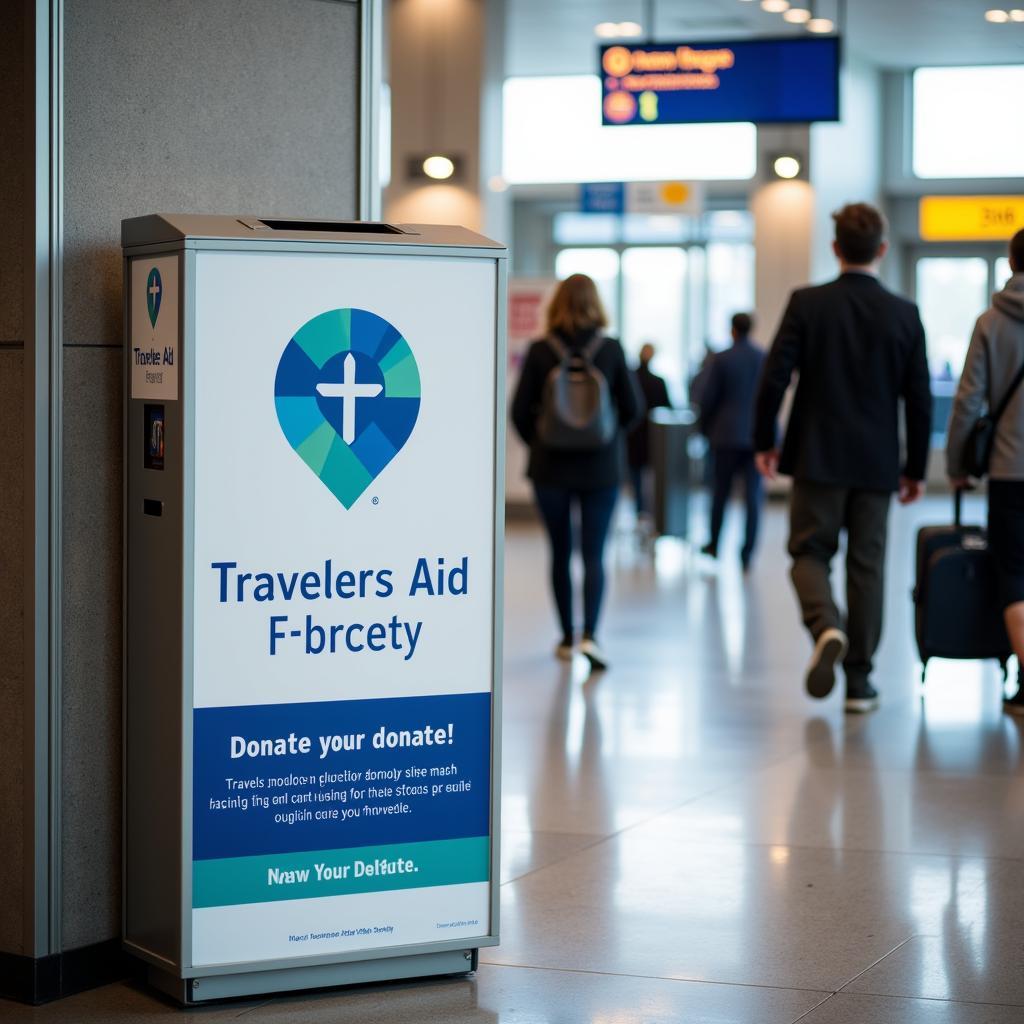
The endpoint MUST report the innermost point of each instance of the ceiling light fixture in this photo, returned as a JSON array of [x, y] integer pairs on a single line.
[[786, 166], [997, 17], [618, 29], [797, 15], [820, 25], [775, 6], [1016, 14], [440, 168]]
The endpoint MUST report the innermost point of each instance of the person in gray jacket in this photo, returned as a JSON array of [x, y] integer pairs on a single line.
[[994, 358]]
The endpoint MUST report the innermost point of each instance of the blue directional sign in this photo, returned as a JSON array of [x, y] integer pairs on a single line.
[[768, 81]]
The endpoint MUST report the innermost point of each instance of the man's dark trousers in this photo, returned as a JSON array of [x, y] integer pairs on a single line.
[[818, 514], [727, 464]]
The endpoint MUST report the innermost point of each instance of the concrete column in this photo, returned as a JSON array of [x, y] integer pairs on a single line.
[[247, 106], [783, 226], [435, 63], [846, 158]]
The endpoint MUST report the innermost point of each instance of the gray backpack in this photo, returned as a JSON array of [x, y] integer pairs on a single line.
[[576, 411]]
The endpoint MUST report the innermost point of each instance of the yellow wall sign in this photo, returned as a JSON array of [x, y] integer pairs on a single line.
[[970, 218]]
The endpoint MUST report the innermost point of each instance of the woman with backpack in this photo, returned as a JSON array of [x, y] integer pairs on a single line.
[[575, 400], [993, 443]]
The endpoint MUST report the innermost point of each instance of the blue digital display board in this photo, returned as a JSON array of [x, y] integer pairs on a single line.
[[769, 81]]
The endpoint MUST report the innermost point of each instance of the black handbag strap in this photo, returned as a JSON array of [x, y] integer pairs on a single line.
[[1008, 397]]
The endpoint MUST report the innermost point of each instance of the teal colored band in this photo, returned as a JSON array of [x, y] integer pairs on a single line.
[[298, 876]]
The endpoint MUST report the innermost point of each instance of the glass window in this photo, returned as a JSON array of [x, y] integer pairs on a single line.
[[1003, 272], [952, 292], [697, 333], [552, 132], [655, 227], [586, 228], [730, 288], [654, 300], [729, 224], [963, 122], [603, 266]]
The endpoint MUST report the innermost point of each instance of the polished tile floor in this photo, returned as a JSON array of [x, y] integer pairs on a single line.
[[689, 838]]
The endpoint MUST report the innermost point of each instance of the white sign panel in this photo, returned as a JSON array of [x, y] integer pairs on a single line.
[[154, 340], [343, 603], [657, 197]]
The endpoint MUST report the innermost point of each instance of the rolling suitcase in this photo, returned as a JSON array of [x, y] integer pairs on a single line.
[[957, 609]]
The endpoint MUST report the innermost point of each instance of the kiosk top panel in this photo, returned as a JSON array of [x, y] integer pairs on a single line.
[[160, 228]]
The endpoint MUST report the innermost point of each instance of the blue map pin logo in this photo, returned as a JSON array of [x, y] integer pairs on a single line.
[[154, 295], [347, 395]]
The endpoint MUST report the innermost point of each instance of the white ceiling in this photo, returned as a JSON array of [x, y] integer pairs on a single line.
[[557, 36]]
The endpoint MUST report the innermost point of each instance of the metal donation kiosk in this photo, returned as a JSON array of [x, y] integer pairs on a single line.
[[313, 447]]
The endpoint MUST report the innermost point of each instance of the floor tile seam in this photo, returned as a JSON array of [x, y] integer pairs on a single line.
[[654, 814], [659, 977], [911, 771], [725, 841], [258, 1006], [558, 860], [815, 1007], [671, 809], [884, 956], [928, 999]]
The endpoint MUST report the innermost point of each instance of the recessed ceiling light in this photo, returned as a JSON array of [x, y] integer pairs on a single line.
[[618, 29], [997, 17], [820, 25], [797, 15], [1016, 14], [775, 6]]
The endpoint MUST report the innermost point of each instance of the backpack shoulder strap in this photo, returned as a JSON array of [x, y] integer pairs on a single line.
[[594, 346], [1008, 397], [557, 346]]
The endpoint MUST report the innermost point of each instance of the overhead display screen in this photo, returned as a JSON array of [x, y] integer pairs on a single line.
[[769, 81]]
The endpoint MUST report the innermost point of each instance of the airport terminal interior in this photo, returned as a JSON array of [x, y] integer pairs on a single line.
[[211, 206]]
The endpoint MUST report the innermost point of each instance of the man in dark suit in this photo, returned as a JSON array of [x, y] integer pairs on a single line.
[[727, 420], [858, 350]]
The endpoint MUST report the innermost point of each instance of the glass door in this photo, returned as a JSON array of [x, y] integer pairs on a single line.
[[1002, 272], [654, 309], [602, 265], [951, 292]]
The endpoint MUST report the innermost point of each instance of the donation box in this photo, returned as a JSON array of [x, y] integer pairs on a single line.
[[313, 450]]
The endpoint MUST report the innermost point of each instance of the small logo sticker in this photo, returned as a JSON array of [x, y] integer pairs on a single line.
[[154, 294], [347, 395]]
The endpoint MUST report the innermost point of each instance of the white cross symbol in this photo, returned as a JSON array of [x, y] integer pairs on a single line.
[[349, 391], [154, 290]]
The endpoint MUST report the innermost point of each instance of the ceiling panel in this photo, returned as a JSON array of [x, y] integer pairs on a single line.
[[557, 36]]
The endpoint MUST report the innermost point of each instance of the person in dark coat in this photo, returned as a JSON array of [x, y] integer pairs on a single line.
[[859, 351], [727, 420], [655, 396], [589, 480]]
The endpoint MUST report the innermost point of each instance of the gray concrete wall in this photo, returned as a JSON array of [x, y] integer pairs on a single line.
[[202, 106], [13, 111]]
